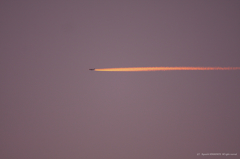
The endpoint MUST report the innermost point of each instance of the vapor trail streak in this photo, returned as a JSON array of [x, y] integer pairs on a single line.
[[132, 69]]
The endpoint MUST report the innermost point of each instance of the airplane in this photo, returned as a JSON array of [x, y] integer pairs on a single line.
[[92, 69]]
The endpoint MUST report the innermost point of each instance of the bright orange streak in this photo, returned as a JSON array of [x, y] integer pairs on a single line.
[[165, 68]]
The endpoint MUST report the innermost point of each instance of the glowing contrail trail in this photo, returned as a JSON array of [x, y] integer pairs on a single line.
[[132, 69]]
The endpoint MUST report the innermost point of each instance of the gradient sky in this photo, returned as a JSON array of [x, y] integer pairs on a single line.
[[53, 107]]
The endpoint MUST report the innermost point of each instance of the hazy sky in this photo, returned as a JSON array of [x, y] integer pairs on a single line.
[[53, 107]]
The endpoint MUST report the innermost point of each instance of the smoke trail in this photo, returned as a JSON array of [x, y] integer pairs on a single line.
[[132, 69]]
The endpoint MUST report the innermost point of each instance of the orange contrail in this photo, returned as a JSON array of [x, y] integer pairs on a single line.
[[164, 68]]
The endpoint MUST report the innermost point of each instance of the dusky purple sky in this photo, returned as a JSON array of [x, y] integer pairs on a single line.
[[53, 107]]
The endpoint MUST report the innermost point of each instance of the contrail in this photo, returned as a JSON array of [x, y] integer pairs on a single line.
[[133, 69]]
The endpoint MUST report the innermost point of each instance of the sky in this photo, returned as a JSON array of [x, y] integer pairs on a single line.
[[53, 107]]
